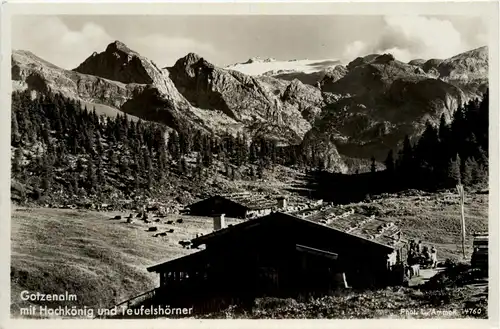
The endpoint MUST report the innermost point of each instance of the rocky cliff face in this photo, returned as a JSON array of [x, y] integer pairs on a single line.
[[119, 63], [468, 71], [34, 73]]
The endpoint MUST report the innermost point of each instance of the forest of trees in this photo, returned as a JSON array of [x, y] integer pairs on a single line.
[[446, 155], [443, 156], [62, 148], [59, 146]]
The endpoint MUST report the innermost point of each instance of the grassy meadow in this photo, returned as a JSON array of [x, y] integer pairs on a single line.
[[433, 218], [102, 261]]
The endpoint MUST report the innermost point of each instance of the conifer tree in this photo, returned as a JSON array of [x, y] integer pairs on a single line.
[[184, 167], [443, 129], [75, 184], [454, 176], [425, 150], [481, 175], [389, 162], [406, 156], [101, 177], [260, 168], [253, 153], [79, 165], [125, 167], [91, 177], [17, 161], [150, 178], [137, 180], [198, 169], [173, 146], [113, 158], [469, 172], [482, 157], [253, 174], [14, 132]]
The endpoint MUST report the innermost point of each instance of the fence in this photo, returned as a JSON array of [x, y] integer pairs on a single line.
[[150, 294]]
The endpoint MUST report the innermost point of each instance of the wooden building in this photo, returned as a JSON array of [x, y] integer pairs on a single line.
[[237, 205], [283, 255]]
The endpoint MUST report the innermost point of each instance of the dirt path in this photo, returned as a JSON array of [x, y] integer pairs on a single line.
[[425, 275]]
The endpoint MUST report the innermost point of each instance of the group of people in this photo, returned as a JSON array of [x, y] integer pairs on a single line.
[[419, 254]]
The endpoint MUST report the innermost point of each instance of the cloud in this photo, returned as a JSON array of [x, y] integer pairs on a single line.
[[355, 49], [411, 37], [482, 37], [49, 38]]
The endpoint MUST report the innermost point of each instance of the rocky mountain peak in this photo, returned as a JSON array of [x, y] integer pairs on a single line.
[[120, 63], [257, 59], [417, 62], [189, 66], [371, 59], [191, 58], [384, 59], [187, 61], [472, 64], [468, 71], [118, 46], [332, 75]]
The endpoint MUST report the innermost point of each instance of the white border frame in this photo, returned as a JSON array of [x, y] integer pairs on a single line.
[[487, 9]]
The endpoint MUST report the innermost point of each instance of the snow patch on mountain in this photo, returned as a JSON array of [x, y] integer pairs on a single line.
[[256, 66]]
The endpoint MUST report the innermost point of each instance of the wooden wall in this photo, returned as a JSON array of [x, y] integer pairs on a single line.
[[217, 205]]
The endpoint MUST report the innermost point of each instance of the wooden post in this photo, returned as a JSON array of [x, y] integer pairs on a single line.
[[461, 194]]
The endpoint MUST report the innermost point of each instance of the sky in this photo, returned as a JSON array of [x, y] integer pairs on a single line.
[[67, 41]]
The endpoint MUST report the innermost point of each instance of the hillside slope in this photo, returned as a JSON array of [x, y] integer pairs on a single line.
[[102, 261]]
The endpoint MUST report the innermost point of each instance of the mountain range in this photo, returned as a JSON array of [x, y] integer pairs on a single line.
[[358, 110]]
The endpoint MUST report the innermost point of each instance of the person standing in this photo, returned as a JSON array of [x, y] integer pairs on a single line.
[[419, 246], [434, 257], [411, 257], [426, 257]]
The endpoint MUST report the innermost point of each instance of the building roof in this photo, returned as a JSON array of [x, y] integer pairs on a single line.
[[371, 229], [252, 201], [367, 227], [260, 201], [181, 262], [316, 251]]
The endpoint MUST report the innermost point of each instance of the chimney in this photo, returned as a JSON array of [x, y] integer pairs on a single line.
[[281, 203], [219, 222]]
